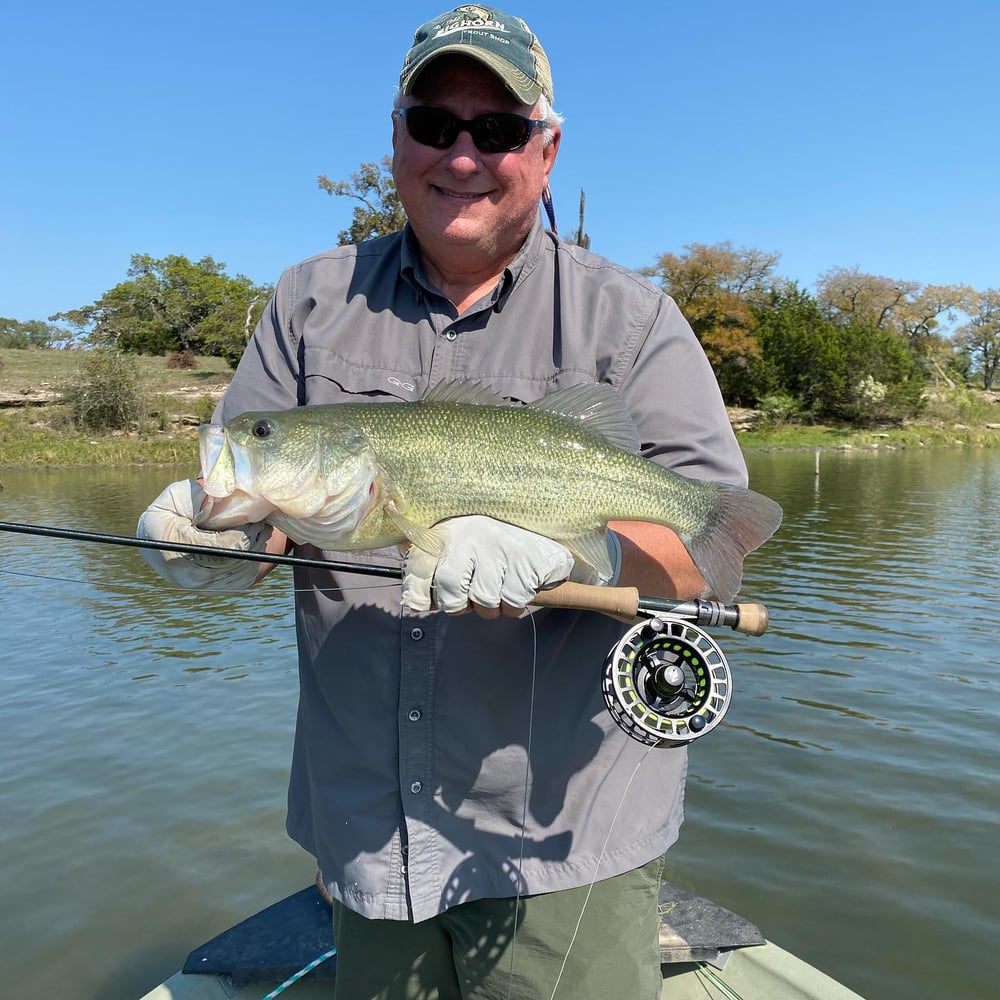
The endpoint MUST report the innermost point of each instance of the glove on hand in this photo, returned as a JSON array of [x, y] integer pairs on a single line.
[[170, 517], [485, 562]]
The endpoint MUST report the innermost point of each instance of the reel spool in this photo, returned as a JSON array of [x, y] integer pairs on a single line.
[[667, 682]]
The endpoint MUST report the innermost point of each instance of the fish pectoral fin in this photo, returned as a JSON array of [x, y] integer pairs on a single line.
[[590, 552], [429, 539]]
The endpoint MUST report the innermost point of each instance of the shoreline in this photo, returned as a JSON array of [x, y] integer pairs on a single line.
[[36, 444], [35, 431]]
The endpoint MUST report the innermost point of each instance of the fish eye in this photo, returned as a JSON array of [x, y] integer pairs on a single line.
[[262, 429]]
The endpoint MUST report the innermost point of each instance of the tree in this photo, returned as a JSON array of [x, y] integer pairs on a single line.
[[32, 333], [581, 237], [172, 304], [835, 370], [979, 339], [716, 287], [850, 296], [380, 212]]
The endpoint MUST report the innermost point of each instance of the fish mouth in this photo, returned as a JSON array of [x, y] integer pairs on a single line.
[[223, 469], [218, 468]]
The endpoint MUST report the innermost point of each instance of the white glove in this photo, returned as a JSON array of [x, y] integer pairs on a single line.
[[485, 562], [170, 517]]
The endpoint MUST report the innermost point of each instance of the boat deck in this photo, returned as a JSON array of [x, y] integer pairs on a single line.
[[707, 953]]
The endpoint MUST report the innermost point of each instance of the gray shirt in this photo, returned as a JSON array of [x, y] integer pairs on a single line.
[[412, 780]]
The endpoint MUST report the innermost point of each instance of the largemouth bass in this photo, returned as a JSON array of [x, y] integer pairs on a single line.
[[353, 476]]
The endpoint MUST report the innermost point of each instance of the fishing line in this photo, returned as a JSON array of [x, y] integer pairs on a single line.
[[524, 821], [524, 805], [597, 868]]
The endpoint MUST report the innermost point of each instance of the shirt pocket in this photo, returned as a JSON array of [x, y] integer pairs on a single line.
[[333, 377]]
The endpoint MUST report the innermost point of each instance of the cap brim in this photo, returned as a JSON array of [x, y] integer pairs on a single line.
[[526, 90]]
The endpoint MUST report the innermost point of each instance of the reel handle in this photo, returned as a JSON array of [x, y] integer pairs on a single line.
[[626, 602]]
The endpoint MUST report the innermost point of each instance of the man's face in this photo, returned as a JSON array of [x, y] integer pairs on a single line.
[[482, 204]]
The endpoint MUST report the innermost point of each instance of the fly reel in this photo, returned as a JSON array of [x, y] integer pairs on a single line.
[[667, 682]]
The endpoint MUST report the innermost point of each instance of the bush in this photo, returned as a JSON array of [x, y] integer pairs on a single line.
[[107, 392], [183, 360], [778, 409], [204, 407]]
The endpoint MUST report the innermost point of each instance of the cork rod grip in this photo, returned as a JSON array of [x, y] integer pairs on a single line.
[[618, 601]]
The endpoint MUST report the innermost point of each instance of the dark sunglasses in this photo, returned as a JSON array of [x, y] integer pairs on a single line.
[[496, 132]]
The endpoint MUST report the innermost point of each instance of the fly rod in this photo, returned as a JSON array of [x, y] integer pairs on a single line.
[[623, 602], [665, 683]]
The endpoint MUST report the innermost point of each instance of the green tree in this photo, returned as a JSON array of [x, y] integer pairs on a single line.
[[171, 304], [790, 327], [979, 339], [380, 211], [32, 333], [845, 371]]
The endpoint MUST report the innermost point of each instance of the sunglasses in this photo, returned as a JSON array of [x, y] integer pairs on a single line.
[[496, 132]]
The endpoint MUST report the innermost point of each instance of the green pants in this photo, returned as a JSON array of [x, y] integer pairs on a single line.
[[471, 953]]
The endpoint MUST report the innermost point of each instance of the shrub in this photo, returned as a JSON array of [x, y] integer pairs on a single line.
[[779, 408], [183, 360], [107, 392]]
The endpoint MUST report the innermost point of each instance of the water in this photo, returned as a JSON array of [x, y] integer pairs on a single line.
[[848, 805]]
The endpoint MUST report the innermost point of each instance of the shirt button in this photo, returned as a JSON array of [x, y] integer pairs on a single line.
[[417, 633], [450, 335], [414, 715], [402, 869], [416, 787]]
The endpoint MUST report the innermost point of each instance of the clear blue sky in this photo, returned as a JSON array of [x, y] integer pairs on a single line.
[[837, 134]]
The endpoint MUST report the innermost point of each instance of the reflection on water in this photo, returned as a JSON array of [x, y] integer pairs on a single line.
[[848, 805]]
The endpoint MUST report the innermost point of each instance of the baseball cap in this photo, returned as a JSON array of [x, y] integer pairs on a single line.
[[502, 42]]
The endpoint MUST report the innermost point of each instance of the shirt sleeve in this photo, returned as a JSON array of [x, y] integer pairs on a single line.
[[676, 403]]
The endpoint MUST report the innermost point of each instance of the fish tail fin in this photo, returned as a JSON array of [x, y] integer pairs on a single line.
[[741, 522]]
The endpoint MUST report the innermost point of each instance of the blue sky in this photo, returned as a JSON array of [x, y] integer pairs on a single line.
[[859, 133]]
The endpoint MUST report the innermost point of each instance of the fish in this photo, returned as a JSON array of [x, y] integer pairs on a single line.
[[355, 476]]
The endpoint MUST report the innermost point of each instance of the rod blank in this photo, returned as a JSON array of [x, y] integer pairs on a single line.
[[621, 602]]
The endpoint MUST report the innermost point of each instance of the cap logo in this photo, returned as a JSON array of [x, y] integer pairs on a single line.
[[469, 17]]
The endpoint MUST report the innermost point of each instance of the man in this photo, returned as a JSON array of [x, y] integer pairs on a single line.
[[455, 774]]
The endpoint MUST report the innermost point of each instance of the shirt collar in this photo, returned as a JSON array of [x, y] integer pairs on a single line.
[[411, 267]]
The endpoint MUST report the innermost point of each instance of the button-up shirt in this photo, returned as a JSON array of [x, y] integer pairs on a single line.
[[437, 758]]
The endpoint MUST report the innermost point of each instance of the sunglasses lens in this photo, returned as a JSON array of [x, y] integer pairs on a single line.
[[432, 126], [499, 132], [491, 133]]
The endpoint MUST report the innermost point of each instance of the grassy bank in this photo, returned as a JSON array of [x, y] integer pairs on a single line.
[[35, 429]]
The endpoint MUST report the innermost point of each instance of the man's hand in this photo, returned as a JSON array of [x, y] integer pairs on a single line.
[[493, 566], [170, 518]]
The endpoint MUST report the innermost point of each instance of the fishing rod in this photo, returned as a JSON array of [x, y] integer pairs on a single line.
[[665, 683]]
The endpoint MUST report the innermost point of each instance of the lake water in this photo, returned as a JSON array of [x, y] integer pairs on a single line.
[[849, 804]]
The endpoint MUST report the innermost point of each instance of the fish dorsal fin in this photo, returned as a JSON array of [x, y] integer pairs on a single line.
[[597, 405], [464, 392]]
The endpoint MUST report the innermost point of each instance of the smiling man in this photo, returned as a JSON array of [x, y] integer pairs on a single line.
[[484, 828], [472, 208]]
